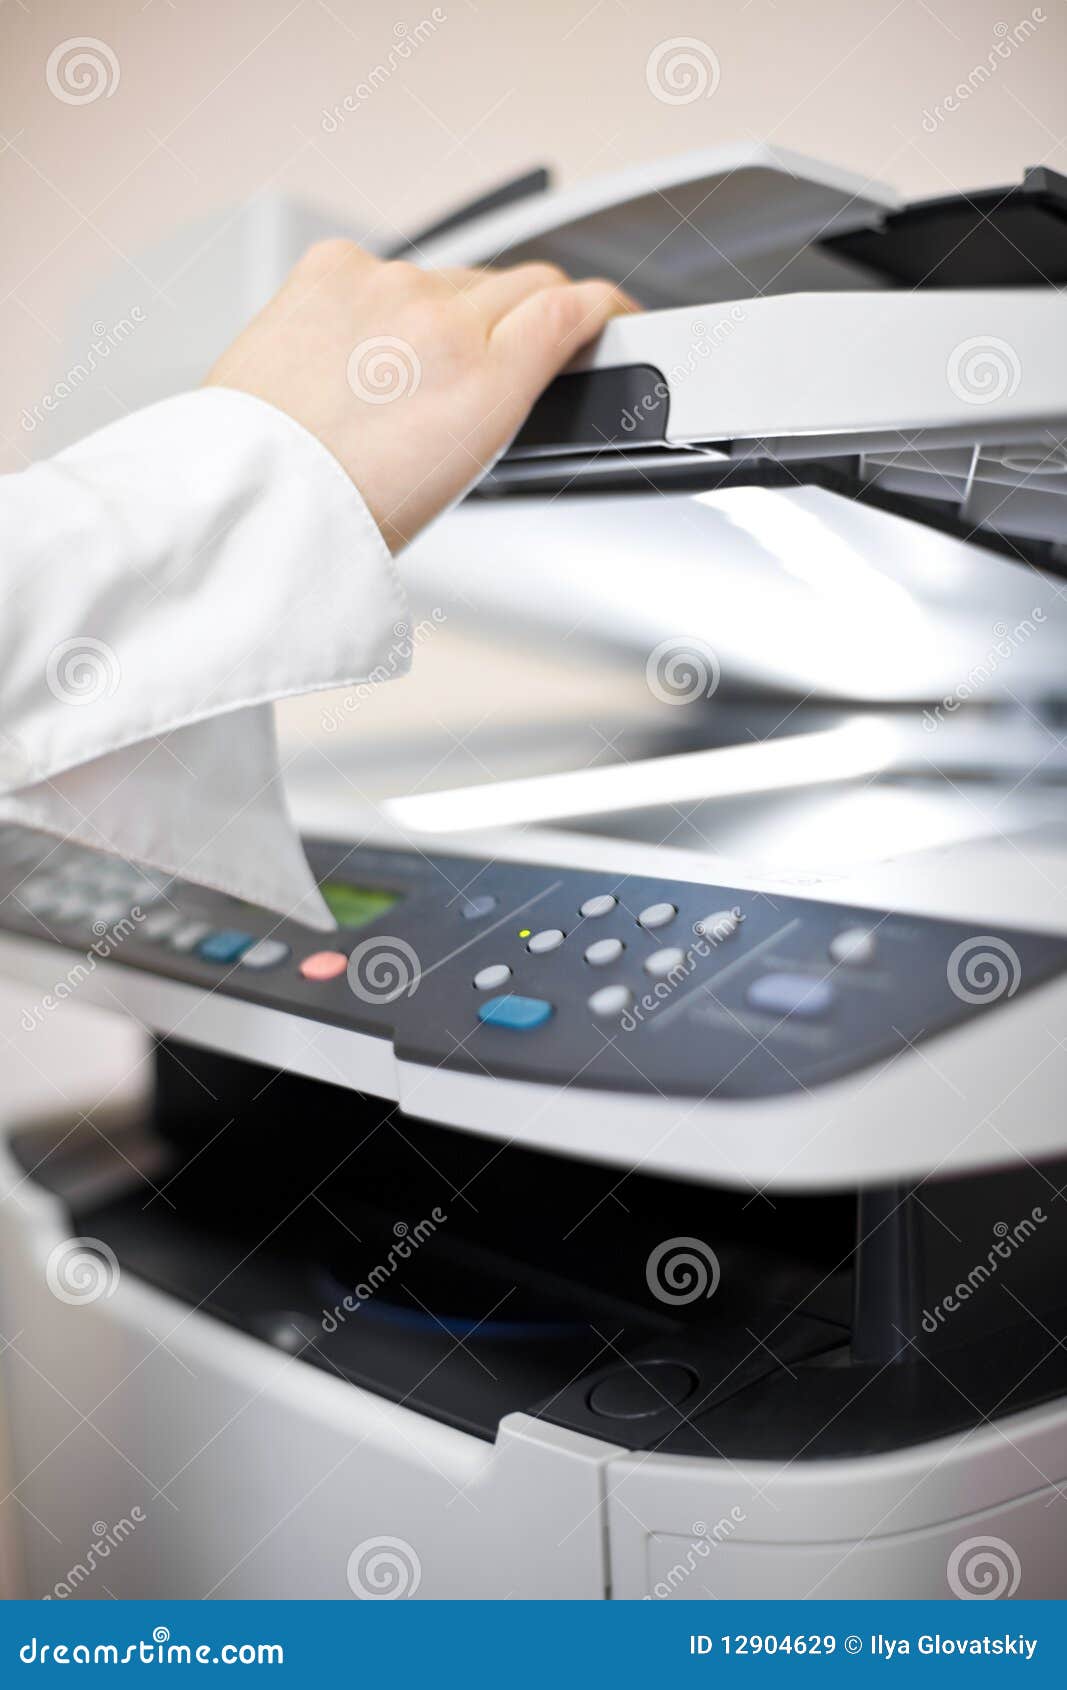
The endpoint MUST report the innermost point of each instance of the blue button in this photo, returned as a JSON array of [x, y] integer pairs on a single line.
[[226, 944], [791, 994], [472, 909], [521, 1015]]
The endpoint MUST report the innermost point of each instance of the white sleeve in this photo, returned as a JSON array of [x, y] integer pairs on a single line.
[[164, 581]]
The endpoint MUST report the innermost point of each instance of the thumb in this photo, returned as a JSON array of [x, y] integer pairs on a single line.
[[546, 329]]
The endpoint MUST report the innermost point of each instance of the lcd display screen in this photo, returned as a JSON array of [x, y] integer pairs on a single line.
[[354, 906]]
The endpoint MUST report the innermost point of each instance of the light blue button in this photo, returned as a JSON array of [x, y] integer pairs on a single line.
[[521, 1015], [226, 944], [188, 936], [791, 994], [472, 909], [265, 953]]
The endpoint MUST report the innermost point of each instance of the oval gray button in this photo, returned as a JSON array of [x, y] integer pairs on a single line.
[[161, 923], [602, 904], [721, 925], [472, 909], [603, 951], [657, 915], [855, 945], [491, 976], [38, 894], [189, 935], [549, 939], [265, 953], [662, 963], [611, 1000], [70, 907], [791, 994]]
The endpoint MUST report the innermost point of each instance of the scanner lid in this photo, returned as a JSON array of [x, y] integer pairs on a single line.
[[804, 327], [948, 407], [723, 222], [818, 334]]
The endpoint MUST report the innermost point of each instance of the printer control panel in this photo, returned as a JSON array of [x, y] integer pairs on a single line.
[[522, 972]]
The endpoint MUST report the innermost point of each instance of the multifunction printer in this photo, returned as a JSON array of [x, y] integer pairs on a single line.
[[654, 1188]]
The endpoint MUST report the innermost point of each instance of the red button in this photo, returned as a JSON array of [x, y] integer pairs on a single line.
[[324, 965]]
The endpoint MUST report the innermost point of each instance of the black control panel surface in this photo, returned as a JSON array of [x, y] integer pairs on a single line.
[[522, 972]]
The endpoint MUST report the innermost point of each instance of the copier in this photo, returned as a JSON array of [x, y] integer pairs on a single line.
[[656, 1188]]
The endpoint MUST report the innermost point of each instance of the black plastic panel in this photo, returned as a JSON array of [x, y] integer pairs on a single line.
[[696, 1032], [997, 237], [589, 410]]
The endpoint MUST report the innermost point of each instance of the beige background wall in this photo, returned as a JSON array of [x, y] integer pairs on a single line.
[[216, 100]]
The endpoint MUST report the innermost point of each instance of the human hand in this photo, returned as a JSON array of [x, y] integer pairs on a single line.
[[414, 379]]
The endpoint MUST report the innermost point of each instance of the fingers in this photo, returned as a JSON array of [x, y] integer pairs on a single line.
[[461, 280], [549, 326], [500, 291], [497, 292]]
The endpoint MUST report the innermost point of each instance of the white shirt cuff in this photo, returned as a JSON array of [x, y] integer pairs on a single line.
[[196, 560]]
